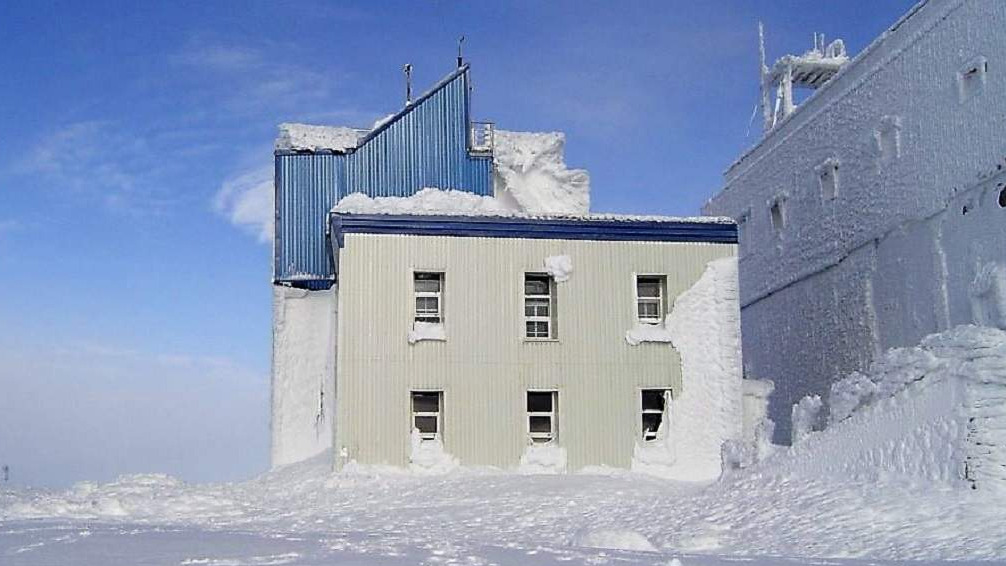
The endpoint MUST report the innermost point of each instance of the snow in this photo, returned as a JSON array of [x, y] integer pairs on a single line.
[[426, 201], [806, 417], [615, 539], [428, 456], [303, 373], [427, 331], [642, 332], [559, 267], [704, 328], [307, 137], [543, 458], [529, 169]]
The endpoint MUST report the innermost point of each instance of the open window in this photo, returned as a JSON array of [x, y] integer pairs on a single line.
[[651, 291], [428, 288], [426, 407], [541, 411], [539, 306], [653, 404]]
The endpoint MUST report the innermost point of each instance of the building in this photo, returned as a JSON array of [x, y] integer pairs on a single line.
[[499, 336], [461, 337], [873, 213]]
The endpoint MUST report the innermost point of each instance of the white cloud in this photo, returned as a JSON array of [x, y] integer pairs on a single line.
[[246, 199]]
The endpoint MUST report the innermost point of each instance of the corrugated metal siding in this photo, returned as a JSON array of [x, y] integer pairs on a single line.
[[426, 146], [486, 366]]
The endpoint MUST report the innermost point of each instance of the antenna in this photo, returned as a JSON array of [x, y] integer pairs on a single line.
[[766, 107], [407, 69], [461, 60]]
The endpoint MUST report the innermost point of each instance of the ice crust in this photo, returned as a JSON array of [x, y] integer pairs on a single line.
[[427, 331], [306, 137], [530, 169], [559, 267]]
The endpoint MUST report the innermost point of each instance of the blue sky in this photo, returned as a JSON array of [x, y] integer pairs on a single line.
[[136, 140]]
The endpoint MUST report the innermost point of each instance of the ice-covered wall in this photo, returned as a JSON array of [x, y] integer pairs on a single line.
[[911, 131], [303, 373], [935, 411]]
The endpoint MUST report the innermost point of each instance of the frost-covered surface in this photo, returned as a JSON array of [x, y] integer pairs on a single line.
[[429, 456], [893, 257], [614, 539], [543, 458], [774, 513], [303, 373], [315, 138], [806, 417], [530, 170], [427, 331], [559, 267], [647, 333], [426, 201], [704, 326]]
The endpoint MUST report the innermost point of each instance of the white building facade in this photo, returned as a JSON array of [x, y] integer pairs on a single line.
[[538, 343], [875, 214]]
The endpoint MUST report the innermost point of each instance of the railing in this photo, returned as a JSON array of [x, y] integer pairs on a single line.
[[482, 138]]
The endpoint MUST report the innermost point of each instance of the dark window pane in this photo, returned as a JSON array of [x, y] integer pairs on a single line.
[[536, 284], [426, 402], [539, 401], [651, 422], [537, 329], [648, 287], [649, 309], [427, 305], [541, 424], [653, 400], [427, 425]]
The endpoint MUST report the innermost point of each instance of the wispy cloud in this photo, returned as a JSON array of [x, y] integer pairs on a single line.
[[246, 199]]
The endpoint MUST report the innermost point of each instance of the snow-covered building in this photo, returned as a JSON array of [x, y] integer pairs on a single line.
[[874, 213], [443, 296]]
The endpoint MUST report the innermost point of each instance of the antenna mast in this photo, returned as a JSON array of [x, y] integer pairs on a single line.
[[407, 69], [766, 105], [461, 60]]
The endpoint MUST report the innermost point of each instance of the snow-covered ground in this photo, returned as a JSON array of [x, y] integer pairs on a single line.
[[303, 514]]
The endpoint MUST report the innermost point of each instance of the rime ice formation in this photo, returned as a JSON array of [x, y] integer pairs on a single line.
[[559, 267], [426, 201], [316, 138], [898, 247], [544, 458], [530, 171], [806, 417], [427, 331], [934, 411], [705, 330], [647, 333], [303, 373]]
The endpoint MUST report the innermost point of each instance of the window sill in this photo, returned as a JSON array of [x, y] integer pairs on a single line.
[[540, 340]]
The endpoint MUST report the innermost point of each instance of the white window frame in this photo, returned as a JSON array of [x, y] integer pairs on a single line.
[[550, 300], [438, 434], [553, 432], [438, 295], [660, 299], [648, 436]]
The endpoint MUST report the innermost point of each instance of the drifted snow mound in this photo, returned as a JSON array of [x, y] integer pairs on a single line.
[[614, 539], [546, 458], [426, 201], [704, 327], [936, 412], [530, 170], [429, 456], [315, 138]]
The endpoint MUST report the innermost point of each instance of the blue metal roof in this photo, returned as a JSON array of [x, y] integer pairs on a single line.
[[426, 144], [536, 228]]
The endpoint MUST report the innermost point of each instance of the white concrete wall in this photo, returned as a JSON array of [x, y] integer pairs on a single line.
[[892, 257], [486, 366], [303, 373]]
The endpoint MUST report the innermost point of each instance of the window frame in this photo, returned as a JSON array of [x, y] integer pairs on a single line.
[[667, 394], [549, 319], [425, 436], [552, 435], [828, 179], [417, 316], [661, 299]]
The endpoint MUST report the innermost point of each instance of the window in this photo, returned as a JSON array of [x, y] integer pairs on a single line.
[[827, 177], [971, 78], [429, 296], [650, 292], [777, 212], [653, 404], [426, 413], [888, 138], [539, 306], [541, 416]]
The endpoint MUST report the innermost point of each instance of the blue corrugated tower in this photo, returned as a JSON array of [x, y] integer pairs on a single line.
[[429, 143]]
